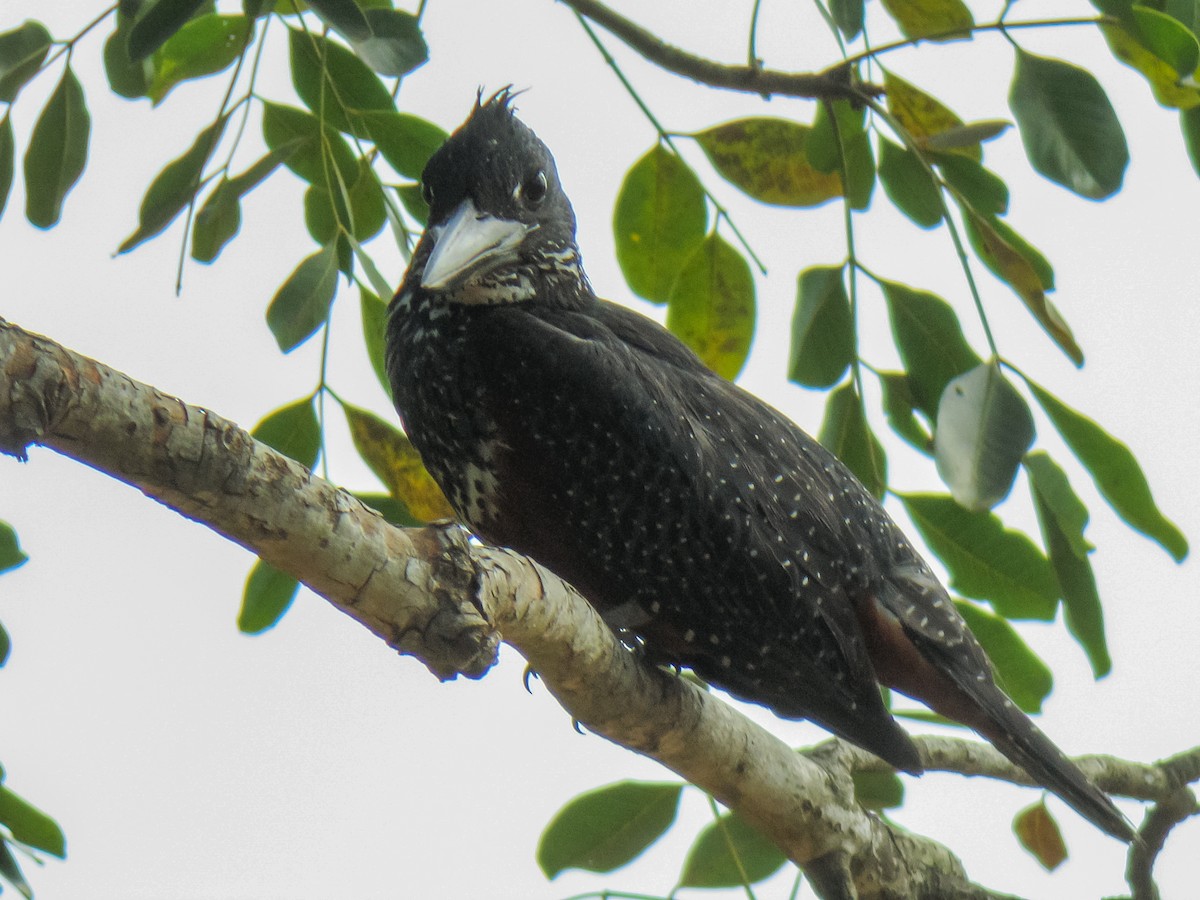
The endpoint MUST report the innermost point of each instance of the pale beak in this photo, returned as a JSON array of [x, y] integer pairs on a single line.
[[469, 243]]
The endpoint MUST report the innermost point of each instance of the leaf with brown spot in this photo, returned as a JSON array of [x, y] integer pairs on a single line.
[[767, 158], [1015, 261], [392, 457]]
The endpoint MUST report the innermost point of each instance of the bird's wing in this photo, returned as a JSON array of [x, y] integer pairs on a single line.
[[618, 436]]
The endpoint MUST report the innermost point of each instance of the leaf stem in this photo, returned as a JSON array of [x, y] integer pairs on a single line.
[[666, 137], [723, 824], [191, 207], [964, 261]]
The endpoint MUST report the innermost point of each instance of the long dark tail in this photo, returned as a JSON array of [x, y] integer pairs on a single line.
[[1014, 735]]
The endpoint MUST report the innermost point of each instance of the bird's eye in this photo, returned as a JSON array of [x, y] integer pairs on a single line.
[[533, 189], [427, 193]]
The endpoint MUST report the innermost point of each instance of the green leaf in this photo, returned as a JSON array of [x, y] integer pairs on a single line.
[[158, 24], [983, 429], [878, 790], [658, 224], [310, 147], [374, 325], [328, 217], [414, 203], [1128, 44], [22, 51], [899, 407], [5, 645], [7, 159], [202, 47], [1189, 122], [711, 306], [860, 170], [606, 828], [767, 159], [334, 83], [1022, 674], [1038, 833], [293, 430], [126, 77], [985, 560], [405, 141], [848, 15], [391, 509], [220, 218], [971, 182], [909, 185], [932, 19], [1068, 126], [1168, 39], [345, 16], [321, 216], [175, 186], [923, 116], [967, 136], [11, 554], [11, 872], [729, 852], [396, 45], [846, 434], [217, 222], [1116, 472], [268, 594], [822, 329], [395, 461], [366, 203], [846, 124], [374, 278], [30, 825], [930, 340], [1063, 518], [301, 305], [57, 151]]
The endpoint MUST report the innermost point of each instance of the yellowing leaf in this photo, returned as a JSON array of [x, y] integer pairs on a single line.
[[396, 462], [767, 159], [1025, 270], [925, 118], [711, 307], [935, 19], [1164, 80]]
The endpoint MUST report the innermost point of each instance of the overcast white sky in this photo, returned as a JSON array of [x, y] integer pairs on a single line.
[[185, 760]]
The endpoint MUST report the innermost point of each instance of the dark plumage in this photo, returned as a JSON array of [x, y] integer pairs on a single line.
[[690, 513]]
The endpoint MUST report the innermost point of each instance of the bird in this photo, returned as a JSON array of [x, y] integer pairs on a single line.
[[702, 524]]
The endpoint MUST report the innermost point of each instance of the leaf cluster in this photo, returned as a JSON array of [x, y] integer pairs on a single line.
[[358, 157]]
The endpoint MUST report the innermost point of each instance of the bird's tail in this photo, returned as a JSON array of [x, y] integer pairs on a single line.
[[1015, 735]]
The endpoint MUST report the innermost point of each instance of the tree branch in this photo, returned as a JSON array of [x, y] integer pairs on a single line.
[[835, 83], [435, 594]]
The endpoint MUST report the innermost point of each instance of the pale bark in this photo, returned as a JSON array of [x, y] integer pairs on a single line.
[[448, 600]]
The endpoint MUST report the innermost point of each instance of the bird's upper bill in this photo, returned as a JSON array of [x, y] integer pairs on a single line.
[[468, 244]]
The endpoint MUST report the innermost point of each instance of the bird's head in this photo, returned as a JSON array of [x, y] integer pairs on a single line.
[[497, 212]]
